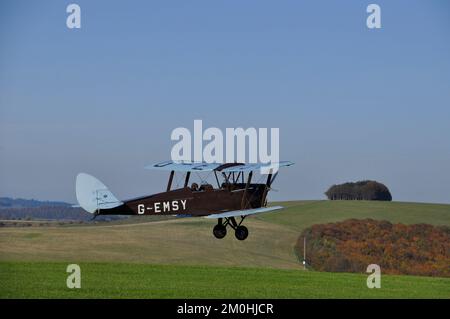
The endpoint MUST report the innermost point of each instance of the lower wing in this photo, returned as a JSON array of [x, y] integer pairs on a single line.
[[245, 212]]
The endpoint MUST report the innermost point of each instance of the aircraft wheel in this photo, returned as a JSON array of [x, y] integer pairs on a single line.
[[219, 231], [241, 232]]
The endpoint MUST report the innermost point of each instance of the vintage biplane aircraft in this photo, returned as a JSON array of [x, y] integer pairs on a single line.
[[234, 196]]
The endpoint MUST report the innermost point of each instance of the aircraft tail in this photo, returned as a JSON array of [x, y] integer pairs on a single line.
[[93, 195]]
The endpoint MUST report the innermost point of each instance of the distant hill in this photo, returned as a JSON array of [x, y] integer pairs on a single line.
[[31, 209], [8, 202]]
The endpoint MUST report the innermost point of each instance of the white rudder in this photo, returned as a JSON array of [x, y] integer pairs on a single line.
[[93, 194]]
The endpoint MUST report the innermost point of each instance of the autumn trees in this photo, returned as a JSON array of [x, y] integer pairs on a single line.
[[350, 246], [362, 190]]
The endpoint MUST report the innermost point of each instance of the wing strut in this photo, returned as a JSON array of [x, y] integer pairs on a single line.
[[186, 181], [267, 187], [244, 196], [169, 184]]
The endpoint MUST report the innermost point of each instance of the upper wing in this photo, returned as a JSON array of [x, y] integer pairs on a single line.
[[245, 212], [181, 166], [255, 166], [184, 166]]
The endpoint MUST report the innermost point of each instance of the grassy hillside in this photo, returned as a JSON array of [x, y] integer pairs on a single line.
[[179, 242], [181, 258], [301, 214], [109, 280], [189, 241]]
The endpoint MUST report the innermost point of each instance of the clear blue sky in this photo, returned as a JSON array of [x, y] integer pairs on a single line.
[[351, 103]]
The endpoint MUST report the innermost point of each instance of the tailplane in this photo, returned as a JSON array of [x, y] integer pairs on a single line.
[[93, 195]]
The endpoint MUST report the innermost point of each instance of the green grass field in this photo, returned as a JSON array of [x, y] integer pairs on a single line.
[[109, 280], [181, 258]]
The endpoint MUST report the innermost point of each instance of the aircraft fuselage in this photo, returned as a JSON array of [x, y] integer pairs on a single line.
[[185, 201]]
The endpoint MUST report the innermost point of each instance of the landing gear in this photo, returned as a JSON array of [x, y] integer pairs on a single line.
[[241, 232], [220, 230]]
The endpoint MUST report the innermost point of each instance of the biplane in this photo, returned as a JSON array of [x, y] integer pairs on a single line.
[[234, 196]]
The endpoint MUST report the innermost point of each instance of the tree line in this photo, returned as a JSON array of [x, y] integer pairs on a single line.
[[362, 190]]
